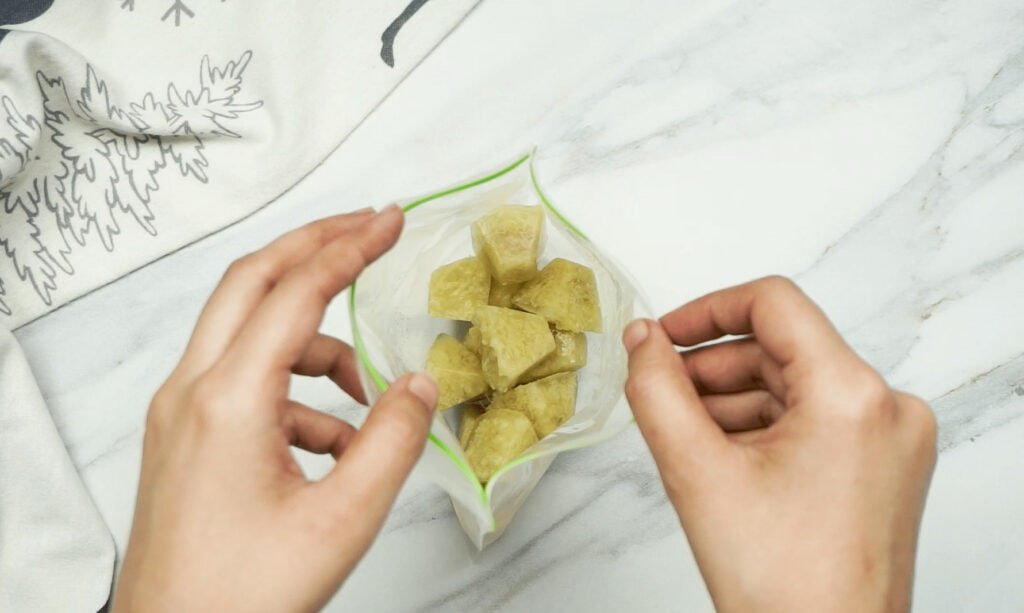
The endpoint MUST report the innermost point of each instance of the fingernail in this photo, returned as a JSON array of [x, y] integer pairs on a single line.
[[365, 209], [635, 334], [423, 387], [391, 208]]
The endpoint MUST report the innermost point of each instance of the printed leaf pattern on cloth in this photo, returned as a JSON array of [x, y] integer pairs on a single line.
[[175, 11], [87, 165]]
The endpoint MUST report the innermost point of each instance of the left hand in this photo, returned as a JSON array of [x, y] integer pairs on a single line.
[[225, 519]]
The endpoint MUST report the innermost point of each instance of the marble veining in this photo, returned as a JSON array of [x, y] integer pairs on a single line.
[[872, 150]]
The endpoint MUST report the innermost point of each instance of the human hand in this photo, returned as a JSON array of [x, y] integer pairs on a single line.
[[798, 475], [225, 519]]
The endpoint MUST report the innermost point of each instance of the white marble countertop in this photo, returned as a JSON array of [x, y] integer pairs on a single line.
[[873, 150]]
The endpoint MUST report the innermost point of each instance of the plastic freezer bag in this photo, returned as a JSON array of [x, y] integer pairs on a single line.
[[392, 332]]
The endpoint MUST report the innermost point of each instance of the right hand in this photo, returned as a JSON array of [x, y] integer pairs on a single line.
[[798, 475]]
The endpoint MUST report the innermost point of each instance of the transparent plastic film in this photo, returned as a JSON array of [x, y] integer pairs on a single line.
[[393, 331]]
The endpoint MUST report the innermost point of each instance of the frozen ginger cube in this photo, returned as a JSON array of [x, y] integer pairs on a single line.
[[498, 438], [511, 342], [570, 354], [456, 370], [501, 295], [509, 239], [548, 402], [458, 289], [472, 339], [470, 417], [564, 293]]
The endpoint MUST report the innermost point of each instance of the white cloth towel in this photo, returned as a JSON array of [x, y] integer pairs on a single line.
[[129, 128], [55, 551]]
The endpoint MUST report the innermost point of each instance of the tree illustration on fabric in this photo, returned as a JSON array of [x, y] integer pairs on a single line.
[[176, 9], [86, 165]]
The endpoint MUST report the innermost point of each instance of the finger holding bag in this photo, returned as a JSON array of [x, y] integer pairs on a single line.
[[798, 475], [218, 482]]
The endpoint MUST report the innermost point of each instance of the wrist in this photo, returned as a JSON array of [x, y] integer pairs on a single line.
[[869, 588]]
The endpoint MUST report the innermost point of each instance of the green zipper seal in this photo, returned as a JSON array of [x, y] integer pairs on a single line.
[[381, 383], [458, 188], [357, 337], [547, 203]]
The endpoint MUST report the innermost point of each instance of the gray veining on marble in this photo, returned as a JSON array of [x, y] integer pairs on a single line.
[[873, 150]]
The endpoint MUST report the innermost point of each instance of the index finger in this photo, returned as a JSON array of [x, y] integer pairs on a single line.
[[277, 334], [785, 322], [249, 279]]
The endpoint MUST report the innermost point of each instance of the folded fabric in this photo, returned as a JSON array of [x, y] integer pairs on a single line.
[[129, 129], [55, 551]]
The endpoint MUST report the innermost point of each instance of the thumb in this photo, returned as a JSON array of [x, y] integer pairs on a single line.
[[683, 438], [365, 481]]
